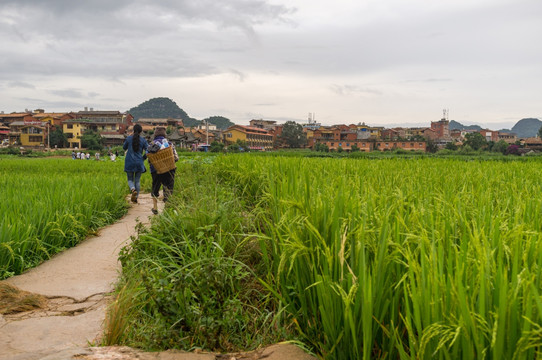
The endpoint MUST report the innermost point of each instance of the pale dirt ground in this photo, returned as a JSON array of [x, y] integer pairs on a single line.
[[77, 283]]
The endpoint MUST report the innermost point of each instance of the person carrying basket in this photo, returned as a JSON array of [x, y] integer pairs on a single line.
[[162, 157]]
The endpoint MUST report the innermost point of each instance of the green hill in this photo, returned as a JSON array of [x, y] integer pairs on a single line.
[[527, 127], [221, 122], [454, 125], [162, 107]]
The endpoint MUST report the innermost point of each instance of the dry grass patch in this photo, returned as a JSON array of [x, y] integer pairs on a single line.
[[14, 300]]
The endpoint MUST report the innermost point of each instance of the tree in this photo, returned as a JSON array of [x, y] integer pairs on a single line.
[[513, 150], [354, 148], [58, 138], [500, 146], [451, 146], [234, 148], [540, 132], [293, 135], [92, 140], [475, 140], [321, 147], [216, 147], [243, 145], [431, 146]]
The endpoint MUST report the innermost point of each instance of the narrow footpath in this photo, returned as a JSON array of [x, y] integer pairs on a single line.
[[76, 286]]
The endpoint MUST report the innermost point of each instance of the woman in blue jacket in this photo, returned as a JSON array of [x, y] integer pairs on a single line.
[[136, 147]]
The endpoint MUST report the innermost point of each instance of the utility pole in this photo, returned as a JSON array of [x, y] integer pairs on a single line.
[[207, 131]]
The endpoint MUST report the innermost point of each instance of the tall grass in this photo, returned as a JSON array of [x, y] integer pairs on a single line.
[[402, 258], [48, 205], [189, 281]]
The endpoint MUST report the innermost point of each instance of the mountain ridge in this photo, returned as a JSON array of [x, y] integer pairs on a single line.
[[526, 127], [163, 107]]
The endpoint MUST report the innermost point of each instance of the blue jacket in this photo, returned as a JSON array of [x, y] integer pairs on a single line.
[[133, 162]]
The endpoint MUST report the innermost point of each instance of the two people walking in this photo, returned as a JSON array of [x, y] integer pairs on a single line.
[[136, 152]]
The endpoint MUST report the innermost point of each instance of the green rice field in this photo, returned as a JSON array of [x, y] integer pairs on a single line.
[[403, 258], [51, 204], [354, 258], [390, 258]]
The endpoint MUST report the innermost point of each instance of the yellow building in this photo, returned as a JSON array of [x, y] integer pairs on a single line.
[[256, 138], [74, 129], [32, 136]]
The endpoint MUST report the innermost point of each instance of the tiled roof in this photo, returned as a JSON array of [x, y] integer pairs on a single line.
[[153, 120], [14, 115], [99, 113]]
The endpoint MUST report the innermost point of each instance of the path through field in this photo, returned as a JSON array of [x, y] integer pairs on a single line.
[[76, 284]]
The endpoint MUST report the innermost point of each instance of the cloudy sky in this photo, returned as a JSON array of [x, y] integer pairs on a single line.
[[382, 62]]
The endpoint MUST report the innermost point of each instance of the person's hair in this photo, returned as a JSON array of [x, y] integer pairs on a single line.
[[135, 139], [159, 131]]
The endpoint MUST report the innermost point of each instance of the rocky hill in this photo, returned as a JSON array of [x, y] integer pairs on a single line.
[[524, 128], [163, 107], [454, 125], [527, 127], [160, 107]]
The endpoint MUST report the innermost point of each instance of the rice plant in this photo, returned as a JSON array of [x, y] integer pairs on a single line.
[[48, 205], [402, 258]]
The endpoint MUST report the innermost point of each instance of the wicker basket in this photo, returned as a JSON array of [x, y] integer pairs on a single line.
[[162, 160]]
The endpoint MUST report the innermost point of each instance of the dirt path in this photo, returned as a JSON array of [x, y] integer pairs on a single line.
[[76, 284]]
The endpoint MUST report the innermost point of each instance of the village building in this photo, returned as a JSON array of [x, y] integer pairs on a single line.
[[255, 138], [509, 138], [263, 124], [490, 135], [111, 125], [165, 122], [532, 143]]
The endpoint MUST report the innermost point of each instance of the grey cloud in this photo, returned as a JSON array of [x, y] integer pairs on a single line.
[[20, 84], [48, 104], [238, 74], [493, 35], [353, 90], [430, 80], [119, 39], [69, 93]]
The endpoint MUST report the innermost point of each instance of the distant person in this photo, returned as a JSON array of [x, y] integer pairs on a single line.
[[78, 155], [97, 155], [135, 146], [167, 179], [73, 154], [88, 156]]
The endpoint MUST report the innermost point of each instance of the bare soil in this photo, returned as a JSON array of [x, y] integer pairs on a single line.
[[57, 310]]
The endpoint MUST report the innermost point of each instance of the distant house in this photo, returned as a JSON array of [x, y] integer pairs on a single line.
[[4, 132], [532, 143], [263, 124], [509, 138], [490, 135], [256, 138], [111, 125], [160, 122]]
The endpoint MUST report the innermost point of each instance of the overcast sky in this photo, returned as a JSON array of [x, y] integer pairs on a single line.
[[382, 62]]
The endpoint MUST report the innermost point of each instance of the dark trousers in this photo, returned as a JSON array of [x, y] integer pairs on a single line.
[[167, 180]]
